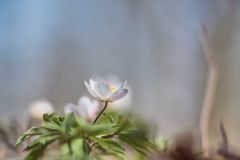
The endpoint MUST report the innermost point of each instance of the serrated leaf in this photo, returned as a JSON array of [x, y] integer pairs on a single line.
[[77, 149], [69, 122], [51, 127], [137, 140], [86, 129], [110, 147], [38, 147], [42, 140], [30, 132], [106, 118], [123, 124]]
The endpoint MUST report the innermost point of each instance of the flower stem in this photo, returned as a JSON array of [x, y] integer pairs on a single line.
[[100, 113], [89, 142]]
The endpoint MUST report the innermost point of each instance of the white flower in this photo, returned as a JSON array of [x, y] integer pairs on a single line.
[[124, 103], [38, 108], [105, 91], [85, 108]]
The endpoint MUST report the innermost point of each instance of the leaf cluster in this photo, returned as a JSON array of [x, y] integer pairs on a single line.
[[74, 138]]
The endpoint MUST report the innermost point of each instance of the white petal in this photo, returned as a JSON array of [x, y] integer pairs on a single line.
[[114, 81], [121, 85], [102, 90], [90, 90], [38, 108], [124, 85], [118, 95], [84, 100], [71, 108], [91, 82], [93, 109], [84, 103], [88, 108]]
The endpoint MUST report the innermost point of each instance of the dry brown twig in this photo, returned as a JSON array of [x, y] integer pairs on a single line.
[[209, 95], [224, 136], [224, 149]]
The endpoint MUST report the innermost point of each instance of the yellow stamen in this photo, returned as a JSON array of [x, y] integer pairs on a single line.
[[112, 88]]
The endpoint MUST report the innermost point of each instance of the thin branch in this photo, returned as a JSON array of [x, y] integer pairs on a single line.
[[224, 135], [223, 149], [209, 95]]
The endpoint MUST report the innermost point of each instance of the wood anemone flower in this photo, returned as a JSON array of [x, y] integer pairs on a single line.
[[86, 108], [105, 91]]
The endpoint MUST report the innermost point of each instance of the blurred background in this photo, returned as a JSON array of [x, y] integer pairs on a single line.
[[48, 48]]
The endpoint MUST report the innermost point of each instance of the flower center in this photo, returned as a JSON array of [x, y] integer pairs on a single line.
[[112, 88]]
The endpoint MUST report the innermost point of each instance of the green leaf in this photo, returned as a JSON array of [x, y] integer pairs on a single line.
[[53, 118], [37, 149], [162, 144], [106, 118], [109, 146], [123, 124], [86, 129], [77, 149], [30, 132], [52, 127], [42, 140], [69, 122], [137, 139]]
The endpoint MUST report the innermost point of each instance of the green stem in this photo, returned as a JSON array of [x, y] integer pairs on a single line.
[[70, 148], [100, 113], [89, 142]]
